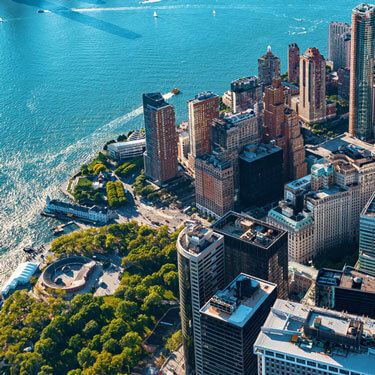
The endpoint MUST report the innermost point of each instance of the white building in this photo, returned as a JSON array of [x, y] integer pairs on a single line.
[[126, 150], [323, 212], [297, 339], [200, 254]]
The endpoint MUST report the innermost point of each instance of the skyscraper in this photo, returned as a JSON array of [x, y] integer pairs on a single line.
[[246, 94], [361, 72], [160, 157], [202, 110], [367, 238], [312, 87], [293, 63], [256, 248], [339, 37], [268, 67], [200, 254], [230, 323], [281, 125]]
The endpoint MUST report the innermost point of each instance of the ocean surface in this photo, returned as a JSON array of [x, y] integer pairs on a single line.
[[73, 78]]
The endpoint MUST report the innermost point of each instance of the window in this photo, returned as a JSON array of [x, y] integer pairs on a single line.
[[333, 369], [301, 361], [291, 359]]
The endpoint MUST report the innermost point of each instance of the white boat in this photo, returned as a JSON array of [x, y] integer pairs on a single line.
[[149, 1], [1, 20], [155, 14], [214, 12]]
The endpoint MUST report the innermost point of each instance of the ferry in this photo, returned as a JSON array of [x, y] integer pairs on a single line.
[[149, 1]]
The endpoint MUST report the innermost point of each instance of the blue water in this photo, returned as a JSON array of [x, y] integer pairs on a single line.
[[73, 78]]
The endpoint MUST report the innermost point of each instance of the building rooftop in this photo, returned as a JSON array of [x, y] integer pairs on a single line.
[[76, 207], [344, 144], [248, 229], [309, 272], [255, 152], [331, 338], [203, 96], [300, 184], [196, 238], [238, 302], [215, 161], [324, 193], [155, 100], [369, 209], [348, 278], [364, 9], [244, 83], [128, 144]]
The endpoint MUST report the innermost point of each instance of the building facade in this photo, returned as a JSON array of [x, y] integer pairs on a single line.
[[293, 63], [312, 87], [297, 339], [160, 157], [202, 110], [230, 323], [200, 254], [367, 238], [261, 175], [126, 150], [348, 290], [256, 248], [361, 120], [268, 68], [343, 84], [339, 40], [246, 94], [214, 185]]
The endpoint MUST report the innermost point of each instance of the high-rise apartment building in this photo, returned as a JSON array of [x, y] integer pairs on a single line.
[[246, 94], [230, 323], [281, 125], [160, 158], [361, 122], [293, 63], [268, 68], [214, 185], [348, 290], [312, 87], [256, 248], [297, 339], [261, 174], [321, 211], [202, 110], [343, 84], [339, 39], [367, 237], [200, 254]]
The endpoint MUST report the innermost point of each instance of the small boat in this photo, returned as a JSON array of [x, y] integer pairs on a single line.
[[28, 250], [155, 14], [176, 91], [1, 20], [214, 12], [43, 11]]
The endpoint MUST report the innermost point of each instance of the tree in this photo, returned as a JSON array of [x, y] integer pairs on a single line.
[[174, 342], [86, 357]]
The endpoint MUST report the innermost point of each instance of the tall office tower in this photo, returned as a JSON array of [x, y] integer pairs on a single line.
[[361, 72], [202, 110], [297, 339], [339, 38], [296, 166], [231, 133], [281, 125], [293, 63], [160, 158], [246, 94], [261, 175], [200, 254], [321, 211], [312, 87], [214, 185], [268, 68], [230, 323], [256, 248], [367, 237], [343, 84], [348, 290]]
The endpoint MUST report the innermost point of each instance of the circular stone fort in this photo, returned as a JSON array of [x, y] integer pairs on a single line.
[[69, 274]]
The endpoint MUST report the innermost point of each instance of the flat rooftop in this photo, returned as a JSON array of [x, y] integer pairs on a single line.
[[301, 183], [215, 161], [248, 229], [348, 278], [318, 335], [345, 143], [203, 96], [324, 193], [196, 238], [255, 152], [369, 209], [238, 302]]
